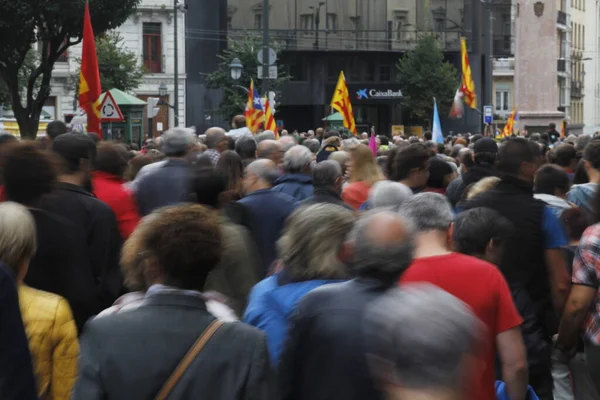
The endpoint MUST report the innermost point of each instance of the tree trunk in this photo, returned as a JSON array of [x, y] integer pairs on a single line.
[[28, 123]]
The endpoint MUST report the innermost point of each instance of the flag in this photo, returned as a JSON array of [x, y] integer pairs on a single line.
[[270, 123], [467, 86], [436, 131], [341, 103], [457, 110], [89, 78], [373, 144], [510, 125], [563, 129], [254, 111]]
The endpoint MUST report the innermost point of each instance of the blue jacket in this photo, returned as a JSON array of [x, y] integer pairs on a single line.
[[268, 210], [169, 184], [299, 186], [271, 305], [502, 395]]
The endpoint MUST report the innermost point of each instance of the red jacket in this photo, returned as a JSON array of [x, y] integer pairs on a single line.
[[109, 188]]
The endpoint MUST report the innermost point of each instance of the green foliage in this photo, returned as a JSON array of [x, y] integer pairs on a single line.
[[29, 64], [234, 97], [424, 74], [119, 67], [56, 25]]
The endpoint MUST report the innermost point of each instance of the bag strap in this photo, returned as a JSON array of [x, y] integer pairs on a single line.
[[188, 359]]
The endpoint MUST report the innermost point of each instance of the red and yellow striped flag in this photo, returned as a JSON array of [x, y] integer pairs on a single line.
[[89, 78], [341, 103], [254, 112], [467, 86], [510, 125], [270, 123]]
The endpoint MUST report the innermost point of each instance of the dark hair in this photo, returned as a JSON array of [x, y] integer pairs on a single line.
[[513, 152], [72, 149], [575, 222], [186, 243], [438, 170], [475, 228], [230, 142], [549, 178], [591, 154], [136, 164], [564, 155], [134, 147], [6, 138], [95, 137], [441, 149], [239, 121], [111, 158], [325, 174], [427, 135], [230, 165], [384, 140], [402, 161], [28, 173], [246, 147], [329, 134], [552, 125], [209, 185], [581, 175], [55, 129]]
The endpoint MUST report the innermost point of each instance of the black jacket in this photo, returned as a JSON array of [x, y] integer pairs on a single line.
[[326, 196], [130, 355], [324, 357], [101, 232], [473, 175]]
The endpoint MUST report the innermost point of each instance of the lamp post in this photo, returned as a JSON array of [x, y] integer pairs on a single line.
[[177, 7], [162, 89], [317, 11], [236, 69]]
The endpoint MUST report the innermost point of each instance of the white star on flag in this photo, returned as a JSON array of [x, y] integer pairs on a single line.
[[257, 101]]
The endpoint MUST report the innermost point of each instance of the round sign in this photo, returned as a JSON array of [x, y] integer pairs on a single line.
[[271, 56]]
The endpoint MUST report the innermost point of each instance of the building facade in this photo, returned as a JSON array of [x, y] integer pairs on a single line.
[[591, 68], [576, 38]]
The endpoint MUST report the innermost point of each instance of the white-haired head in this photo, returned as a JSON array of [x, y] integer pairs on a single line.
[[388, 194]]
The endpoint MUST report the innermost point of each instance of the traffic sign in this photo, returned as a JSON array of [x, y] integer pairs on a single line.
[[271, 56], [109, 110], [488, 115], [272, 72]]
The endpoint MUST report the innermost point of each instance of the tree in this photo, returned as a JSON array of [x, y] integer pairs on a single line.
[[119, 67], [246, 50], [55, 25], [423, 75]]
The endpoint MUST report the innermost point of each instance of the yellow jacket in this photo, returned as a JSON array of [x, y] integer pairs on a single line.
[[53, 341]]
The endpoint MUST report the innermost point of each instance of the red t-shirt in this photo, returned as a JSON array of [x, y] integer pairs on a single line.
[[480, 285]]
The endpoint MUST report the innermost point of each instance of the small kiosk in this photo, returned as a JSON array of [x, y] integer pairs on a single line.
[[131, 129]]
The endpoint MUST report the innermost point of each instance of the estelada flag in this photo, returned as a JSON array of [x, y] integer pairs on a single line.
[[89, 78], [467, 86], [254, 111], [563, 129], [341, 103], [270, 123], [510, 125]]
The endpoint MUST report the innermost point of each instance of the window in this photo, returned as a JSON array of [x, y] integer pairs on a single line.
[[334, 66], [355, 23], [229, 24], [502, 100], [258, 21], [439, 25], [385, 73], [332, 22], [152, 42], [307, 22], [401, 27]]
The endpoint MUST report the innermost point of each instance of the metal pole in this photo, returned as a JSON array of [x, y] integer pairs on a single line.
[[317, 21], [176, 63], [326, 24], [265, 81], [150, 129], [489, 51]]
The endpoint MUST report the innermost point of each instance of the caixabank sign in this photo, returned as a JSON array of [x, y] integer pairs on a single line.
[[375, 93], [389, 94]]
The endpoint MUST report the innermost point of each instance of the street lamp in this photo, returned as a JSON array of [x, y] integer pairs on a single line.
[[317, 11], [162, 89], [236, 69]]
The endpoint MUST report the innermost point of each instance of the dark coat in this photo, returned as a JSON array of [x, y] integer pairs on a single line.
[[299, 186], [16, 370], [168, 185], [324, 357], [101, 234], [130, 355], [328, 197], [269, 211]]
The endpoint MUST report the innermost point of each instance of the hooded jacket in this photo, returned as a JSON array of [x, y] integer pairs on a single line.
[[299, 186]]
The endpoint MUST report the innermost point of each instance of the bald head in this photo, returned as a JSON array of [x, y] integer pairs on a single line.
[[268, 149], [260, 174], [214, 138], [286, 143], [382, 245]]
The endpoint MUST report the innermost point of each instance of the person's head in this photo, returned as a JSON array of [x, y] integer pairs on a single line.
[[565, 156], [380, 246], [18, 240], [177, 142], [246, 148], [482, 232], [581, 175], [239, 121], [421, 340], [266, 135], [440, 174], [175, 246], [388, 194], [552, 126], [409, 165], [465, 157], [270, 150], [111, 159], [553, 180], [485, 151], [362, 165], [575, 222], [297, 160], [312, 242], [28, 173], [216, 139], [77, 153], [7, 138], [519, 158], [209, 185], [286, 143], [230, 165], [328, 175], [313, 145], [581, 142], [342, 158], [55, 129], [481, 186], [591, 158], [329, 134], [431, 213], [259, 174]]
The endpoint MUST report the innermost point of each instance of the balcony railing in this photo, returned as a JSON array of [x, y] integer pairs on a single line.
[[561, 65], [340, 40], [561, 18], [504, 66]]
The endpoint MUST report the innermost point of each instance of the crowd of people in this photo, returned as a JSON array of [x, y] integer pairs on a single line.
[[233, 265]]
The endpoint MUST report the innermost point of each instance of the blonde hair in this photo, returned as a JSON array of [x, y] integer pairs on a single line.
[[18, 238], [482, 186], [364, 166]]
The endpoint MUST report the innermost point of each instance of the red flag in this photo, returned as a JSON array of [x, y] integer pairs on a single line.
[[89, 79]]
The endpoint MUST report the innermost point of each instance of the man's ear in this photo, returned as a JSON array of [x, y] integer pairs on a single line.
[[346, 252], [450, 237]]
